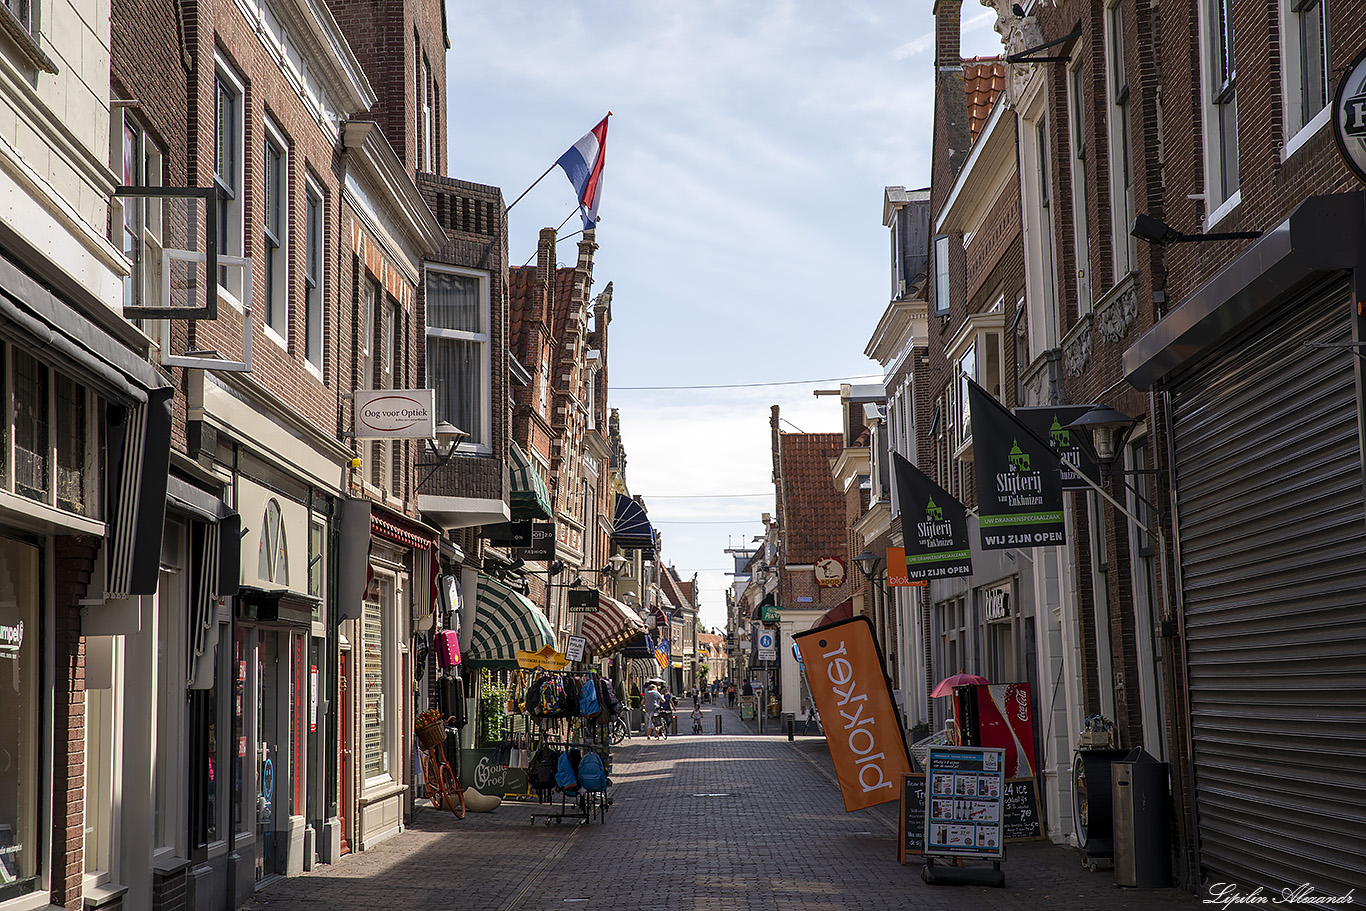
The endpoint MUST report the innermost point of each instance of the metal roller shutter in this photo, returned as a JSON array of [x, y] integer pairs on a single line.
[[1273, 569]]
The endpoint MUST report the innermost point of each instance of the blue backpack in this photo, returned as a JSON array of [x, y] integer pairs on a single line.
[[592, 773], [588, 698], [564, 775]]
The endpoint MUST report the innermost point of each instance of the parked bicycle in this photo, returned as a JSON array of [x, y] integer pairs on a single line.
[[443, 788], [620, 729]]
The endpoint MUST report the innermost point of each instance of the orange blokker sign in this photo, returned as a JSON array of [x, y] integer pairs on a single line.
[[854, 697]]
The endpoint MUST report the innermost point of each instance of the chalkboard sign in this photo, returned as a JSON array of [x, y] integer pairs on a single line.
[[1022, 819], [912, 836]]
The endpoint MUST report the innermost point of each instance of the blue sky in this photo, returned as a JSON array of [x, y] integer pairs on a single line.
[[741, 213]]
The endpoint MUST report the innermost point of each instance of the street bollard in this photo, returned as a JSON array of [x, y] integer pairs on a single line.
[[718, 723], [790, 734]]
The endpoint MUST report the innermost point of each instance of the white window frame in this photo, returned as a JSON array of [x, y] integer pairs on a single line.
[[943, 291], [1295, 81], [480, 437], [275, 238], [230, 177], [1117, 87], [1081, 225], [973, 341], [314, 276], [1219, 105], [142, 284], [372, 298], [1045, 323]]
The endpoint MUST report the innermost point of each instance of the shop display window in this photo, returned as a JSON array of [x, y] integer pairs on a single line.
[[21, 784]]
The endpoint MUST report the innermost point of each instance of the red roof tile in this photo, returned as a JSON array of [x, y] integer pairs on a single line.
[[984, 78]]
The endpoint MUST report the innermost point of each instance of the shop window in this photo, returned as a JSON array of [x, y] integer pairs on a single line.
[[273, 552], [21, 721], [32, 428], [458, 350], [75, 474], [317, 559]]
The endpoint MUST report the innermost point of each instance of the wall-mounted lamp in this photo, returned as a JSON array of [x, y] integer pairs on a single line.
[[448, 437], [1153, 231], [1108, 429], [614, 564], [868, 564]]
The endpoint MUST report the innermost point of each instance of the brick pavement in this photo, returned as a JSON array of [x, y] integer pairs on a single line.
[[730, 822]]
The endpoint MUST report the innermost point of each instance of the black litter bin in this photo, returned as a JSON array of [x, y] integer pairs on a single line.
[[1142, 849]]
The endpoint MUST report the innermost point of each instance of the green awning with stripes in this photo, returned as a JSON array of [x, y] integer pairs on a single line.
[[504, 622], [530, 499]]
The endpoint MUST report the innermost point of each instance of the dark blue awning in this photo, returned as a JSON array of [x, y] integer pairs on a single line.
[[631, 528]]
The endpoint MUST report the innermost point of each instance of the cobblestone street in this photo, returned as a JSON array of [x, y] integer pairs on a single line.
[[732, 822]]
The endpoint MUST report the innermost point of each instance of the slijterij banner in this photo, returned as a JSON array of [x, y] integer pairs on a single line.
[[934, 526], [854, 698], [1050, 422], [1019, 480]]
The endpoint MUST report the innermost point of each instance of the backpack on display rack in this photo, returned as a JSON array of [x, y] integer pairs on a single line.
[[569, 705], [592, 772], [567, 772], [589, 705], [542, 772]]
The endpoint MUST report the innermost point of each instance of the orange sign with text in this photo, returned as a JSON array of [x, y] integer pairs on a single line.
[[897, 574], [854, 698]]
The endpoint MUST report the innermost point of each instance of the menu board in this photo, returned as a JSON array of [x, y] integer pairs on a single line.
[[912, 828], [1021, 809], [965, 812]]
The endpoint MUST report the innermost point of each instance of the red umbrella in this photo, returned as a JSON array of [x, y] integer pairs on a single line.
[[945, 686]]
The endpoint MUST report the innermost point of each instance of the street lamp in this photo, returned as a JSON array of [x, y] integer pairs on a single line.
[[868, 564], [448, 437], [1108, 429]]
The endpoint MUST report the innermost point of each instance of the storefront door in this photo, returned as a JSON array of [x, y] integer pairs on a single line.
[[344, 750], [270, 797]]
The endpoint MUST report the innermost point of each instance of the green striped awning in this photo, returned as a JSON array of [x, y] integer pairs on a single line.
[[504, 622], [530, 499]]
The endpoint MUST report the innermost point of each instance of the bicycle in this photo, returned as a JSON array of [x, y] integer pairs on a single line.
[[443, 788], [620, 729]]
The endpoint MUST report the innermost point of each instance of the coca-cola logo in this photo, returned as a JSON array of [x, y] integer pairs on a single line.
[[1021, 704]]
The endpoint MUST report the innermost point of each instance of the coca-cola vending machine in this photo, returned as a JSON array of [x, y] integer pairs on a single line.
[[998, 715]]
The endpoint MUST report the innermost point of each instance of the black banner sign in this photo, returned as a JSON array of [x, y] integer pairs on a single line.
[[1050, 422], [541, 546], [934, 526], [1019, 484]]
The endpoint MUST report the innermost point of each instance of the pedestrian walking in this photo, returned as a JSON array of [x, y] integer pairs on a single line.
[[730, 695]]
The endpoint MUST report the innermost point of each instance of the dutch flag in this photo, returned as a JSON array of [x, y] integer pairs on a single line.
[[583, 166]]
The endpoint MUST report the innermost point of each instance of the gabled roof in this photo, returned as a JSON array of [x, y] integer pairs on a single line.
[[984, 78], [813, 508]]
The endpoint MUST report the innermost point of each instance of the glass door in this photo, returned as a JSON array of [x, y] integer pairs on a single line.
[[269, 805]]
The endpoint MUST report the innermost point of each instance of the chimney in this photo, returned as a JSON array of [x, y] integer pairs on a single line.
[[545, 261], [948, 31]]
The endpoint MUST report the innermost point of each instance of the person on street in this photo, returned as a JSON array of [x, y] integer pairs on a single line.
[[696, 719], [650, 702], [730, 695], [747, 689], [696, 698]]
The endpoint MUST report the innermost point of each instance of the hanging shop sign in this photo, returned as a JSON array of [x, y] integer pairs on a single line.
[[542, 544], [386, 414], [1019, 483], [584, 601], [1050, 422], [934, 526], [844, 669], [1349, 116], [996, 602], [898, 573], [547, 659], [830, 572]]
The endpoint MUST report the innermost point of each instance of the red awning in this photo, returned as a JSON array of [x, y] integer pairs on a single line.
[[843, 611]]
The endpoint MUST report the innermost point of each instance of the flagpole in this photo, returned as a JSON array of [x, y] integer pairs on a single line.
[[532, 187]]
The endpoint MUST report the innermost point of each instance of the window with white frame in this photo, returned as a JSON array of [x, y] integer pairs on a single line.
[[135, 224], [1081, 228], [228, 172], [1221, 104], [428, 118], [372, 299], [1121, 141], [24, 13], [389, 373], [458, 349], [313, 277], [976, 354], [275, 231], [1036, 191], [1307, 65], [942, 300]]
